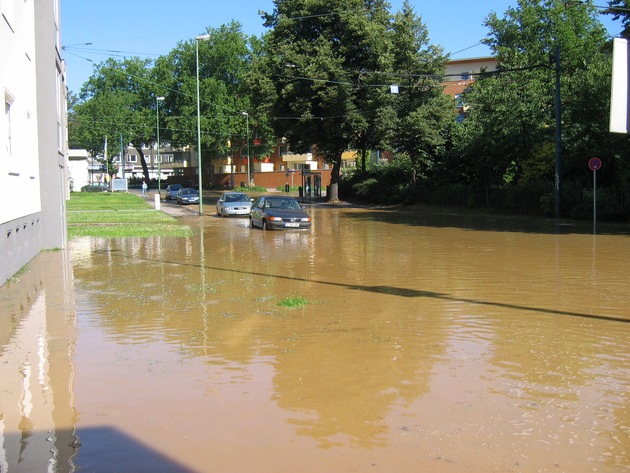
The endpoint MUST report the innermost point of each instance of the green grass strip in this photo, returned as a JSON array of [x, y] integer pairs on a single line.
[[106, 201], [122, 231], [118, 215], [115, 216]]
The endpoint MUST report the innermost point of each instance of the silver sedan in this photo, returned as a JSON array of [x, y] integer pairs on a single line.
[[234, 203]]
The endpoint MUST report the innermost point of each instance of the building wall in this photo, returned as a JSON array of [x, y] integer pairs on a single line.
[[52, 129], [32, 163]]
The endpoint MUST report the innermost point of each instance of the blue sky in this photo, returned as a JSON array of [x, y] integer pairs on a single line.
[[150, 28]]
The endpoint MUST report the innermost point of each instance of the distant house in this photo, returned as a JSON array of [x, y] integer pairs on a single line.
[[78, 169], [33, 136], [462, 73]]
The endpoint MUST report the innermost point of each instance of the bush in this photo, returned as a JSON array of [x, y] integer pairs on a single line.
[[608, 209]]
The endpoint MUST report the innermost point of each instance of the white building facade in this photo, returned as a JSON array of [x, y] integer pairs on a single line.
[[33, 133]]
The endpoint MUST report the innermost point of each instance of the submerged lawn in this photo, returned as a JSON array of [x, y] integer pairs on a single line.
[[113, 215]]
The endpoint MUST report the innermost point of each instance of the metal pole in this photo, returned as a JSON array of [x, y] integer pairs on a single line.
[[558, 105], [249, 175], [594, 200], [204, 37], [157, 113], [122, 158]]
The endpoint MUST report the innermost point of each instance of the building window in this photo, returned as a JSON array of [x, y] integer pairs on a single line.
[[8, 103], [56, 20], [132, 158], [60, 107]]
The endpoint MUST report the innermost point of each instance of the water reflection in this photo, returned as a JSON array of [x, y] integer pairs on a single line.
[[37, 416], [430, 342]]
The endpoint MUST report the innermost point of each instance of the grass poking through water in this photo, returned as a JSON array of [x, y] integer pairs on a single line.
[[293, 302]]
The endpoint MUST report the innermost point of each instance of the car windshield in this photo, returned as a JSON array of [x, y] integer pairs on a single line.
[[282, 204], [236, 198], [189, 191]]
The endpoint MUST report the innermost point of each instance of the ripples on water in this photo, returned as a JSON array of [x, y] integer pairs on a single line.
[[428, 343]]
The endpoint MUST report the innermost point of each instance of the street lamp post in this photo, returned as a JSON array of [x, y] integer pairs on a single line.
[[157, 114], [203, 37], [249, 175]]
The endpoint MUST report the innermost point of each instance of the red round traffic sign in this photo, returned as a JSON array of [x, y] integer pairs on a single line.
[[594, 164]]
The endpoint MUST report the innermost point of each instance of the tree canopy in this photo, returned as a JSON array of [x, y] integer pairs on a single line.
[[510, 129], [327, 71]]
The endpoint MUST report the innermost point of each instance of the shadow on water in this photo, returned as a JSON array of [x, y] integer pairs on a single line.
[[452, 218], [395, 291], [92, 449], [124, 454]]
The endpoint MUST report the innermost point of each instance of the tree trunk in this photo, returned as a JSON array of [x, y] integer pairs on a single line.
[[145, 168], [363, 160], [334, 179]]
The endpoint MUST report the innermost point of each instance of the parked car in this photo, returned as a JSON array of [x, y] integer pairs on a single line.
[[187, 195], [234, 203], [172, 190], [278, 212]]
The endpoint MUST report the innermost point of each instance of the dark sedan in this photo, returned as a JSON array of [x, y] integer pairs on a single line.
[[278, 212], [187, 195]]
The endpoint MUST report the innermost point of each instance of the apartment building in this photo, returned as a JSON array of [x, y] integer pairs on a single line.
[[462, 73], [33, 133]]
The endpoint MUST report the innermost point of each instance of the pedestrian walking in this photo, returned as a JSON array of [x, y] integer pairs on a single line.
[[144, 189]]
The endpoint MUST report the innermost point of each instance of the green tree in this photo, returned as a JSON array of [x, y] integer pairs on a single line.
[[224, 59], [620, 9], [117, 102], [511, 127], [311, 76], [326, 74], [119, 99], [423, 111]]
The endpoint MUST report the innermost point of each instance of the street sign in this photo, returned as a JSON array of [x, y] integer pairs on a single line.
[[594, 164]]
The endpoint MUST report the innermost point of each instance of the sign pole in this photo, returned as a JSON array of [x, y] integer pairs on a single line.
[[594, 164], [594, 199]]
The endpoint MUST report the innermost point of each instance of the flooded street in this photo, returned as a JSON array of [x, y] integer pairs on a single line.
[[431, 342]]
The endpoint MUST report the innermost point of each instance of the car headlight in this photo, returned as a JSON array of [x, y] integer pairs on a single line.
[[306, 219], [275, 219]]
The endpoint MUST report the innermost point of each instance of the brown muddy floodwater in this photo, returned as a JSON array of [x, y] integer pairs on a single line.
[[431, 342]]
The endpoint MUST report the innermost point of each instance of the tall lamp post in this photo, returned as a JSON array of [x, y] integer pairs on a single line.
[[249, 175], [203, 37], [159, 160]]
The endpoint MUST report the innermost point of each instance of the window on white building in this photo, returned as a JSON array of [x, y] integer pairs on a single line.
[[8, 102], [132, 158], [60, 107]]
